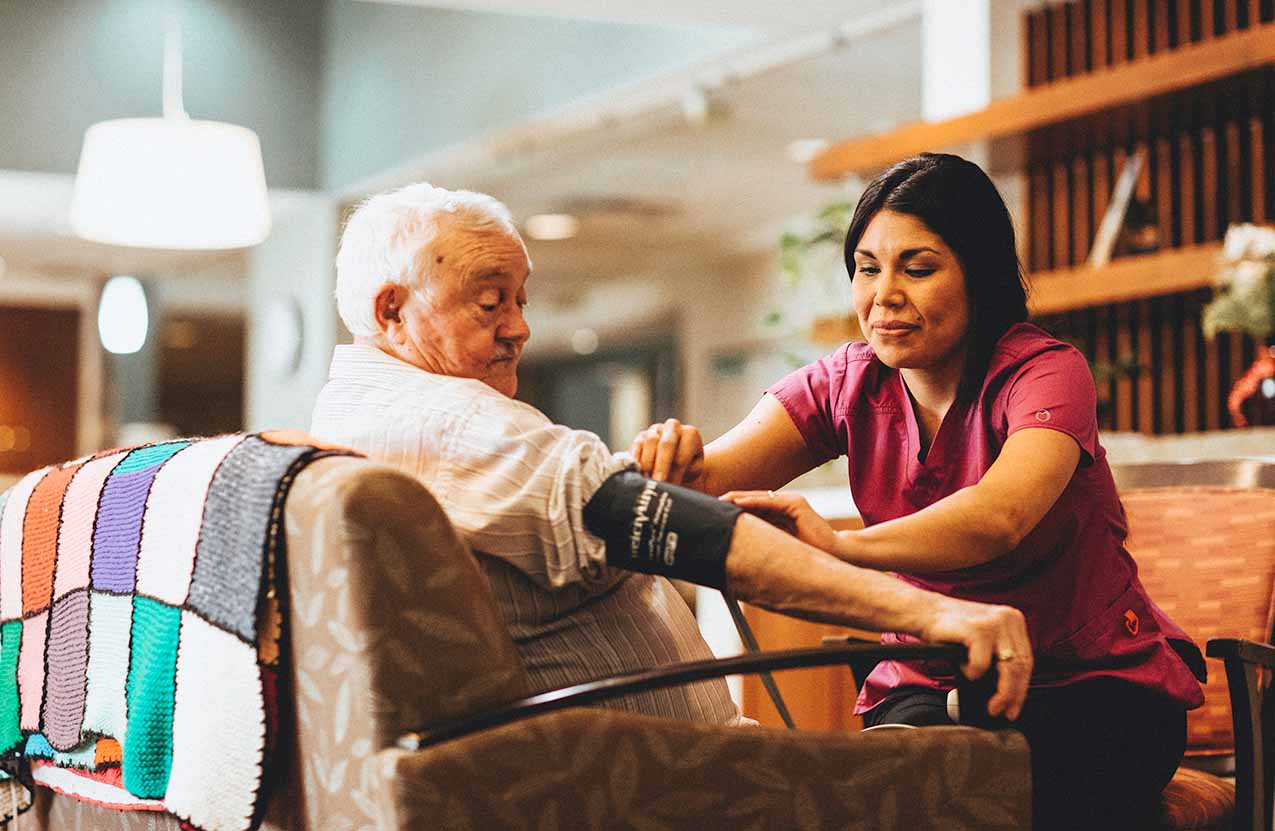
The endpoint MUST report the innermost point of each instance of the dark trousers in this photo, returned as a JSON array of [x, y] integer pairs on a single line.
[[1102, 750]]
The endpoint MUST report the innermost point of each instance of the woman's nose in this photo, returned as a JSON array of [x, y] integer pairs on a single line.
[[889, 290]]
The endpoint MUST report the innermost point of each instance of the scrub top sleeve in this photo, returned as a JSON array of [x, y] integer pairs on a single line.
[[1055, 390], [808, 395]]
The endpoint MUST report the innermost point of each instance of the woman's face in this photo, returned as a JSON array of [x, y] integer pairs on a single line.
[[909, 294]]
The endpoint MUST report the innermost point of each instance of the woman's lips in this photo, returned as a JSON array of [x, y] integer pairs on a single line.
[[894, 329]]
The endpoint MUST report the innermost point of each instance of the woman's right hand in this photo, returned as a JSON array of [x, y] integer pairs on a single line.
[[788, 512], [670, 452]]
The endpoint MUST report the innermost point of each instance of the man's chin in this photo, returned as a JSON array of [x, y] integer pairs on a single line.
[[503, 377]]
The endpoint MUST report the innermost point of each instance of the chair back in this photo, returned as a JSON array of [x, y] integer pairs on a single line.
[[1203, 536], [392, 625]]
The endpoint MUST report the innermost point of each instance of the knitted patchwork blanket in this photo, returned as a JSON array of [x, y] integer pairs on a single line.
[[141, 626]]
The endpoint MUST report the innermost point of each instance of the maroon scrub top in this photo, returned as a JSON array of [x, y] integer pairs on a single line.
[[1087, 613]]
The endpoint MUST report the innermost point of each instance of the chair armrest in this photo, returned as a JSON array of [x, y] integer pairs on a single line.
[[1252, 715], [1248, 651], [592, 768], [594, 691]]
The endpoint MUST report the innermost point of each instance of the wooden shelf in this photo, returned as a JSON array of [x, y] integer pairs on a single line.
[[1132, 278], [1057, 102]]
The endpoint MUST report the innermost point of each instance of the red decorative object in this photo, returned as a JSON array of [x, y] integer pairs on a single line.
[[1252, 399]]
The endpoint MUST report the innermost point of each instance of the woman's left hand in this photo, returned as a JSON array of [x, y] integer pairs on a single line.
[[790, 513]]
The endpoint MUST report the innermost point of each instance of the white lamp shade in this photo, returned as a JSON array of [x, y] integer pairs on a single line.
[[171, 183]]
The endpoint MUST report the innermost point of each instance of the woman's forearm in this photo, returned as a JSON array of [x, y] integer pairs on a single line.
[[959, 531]]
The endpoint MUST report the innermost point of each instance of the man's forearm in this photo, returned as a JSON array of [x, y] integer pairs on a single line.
[[770, 569]]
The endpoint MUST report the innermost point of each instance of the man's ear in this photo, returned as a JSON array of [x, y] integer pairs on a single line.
[[388, 308]]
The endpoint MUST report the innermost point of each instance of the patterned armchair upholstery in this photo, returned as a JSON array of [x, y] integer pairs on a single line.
[[392, 628], [1203, 535]]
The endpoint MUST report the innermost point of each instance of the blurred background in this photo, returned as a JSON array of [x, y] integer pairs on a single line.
[[682, 171]]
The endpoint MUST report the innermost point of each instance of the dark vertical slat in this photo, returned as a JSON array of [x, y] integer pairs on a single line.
[[1190, 372], [1159, 26], [1124, 383], [1119, 31], [1146, 382], [1186, 189], [1058, 39], [1164, 192], [1081, 235], [1102, 355], [1257, 143], [1184, 27], [1100, 170], [1141, 30], [1169, 369], [1061, 214], [1230, 18], [1079, 11], [1208, 185], [1234, 195], [1213, 383], [1039, 202], [1099, 42], [1038, 32]]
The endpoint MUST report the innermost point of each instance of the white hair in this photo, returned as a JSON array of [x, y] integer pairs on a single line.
[[385, 237]]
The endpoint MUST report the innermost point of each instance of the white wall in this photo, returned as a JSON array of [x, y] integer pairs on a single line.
[[295, 264]]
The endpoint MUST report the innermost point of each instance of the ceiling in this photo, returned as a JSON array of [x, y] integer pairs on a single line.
[[767, 14], [690, 169]]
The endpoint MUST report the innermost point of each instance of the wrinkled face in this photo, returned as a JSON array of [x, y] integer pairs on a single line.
[[909, 295], [467, 320]]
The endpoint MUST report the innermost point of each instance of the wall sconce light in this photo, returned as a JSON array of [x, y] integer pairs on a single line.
[[122, 317]]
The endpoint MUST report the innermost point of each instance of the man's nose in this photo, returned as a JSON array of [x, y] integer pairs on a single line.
[[515, 327]]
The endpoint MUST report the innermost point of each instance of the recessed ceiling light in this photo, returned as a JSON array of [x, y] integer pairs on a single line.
[[551, 226], [802, 151]]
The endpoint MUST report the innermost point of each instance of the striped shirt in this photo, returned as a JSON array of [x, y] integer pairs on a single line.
[[515, 485]]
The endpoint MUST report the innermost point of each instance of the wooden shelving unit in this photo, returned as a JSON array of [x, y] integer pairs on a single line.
[[1121, 281], [1057, 102]]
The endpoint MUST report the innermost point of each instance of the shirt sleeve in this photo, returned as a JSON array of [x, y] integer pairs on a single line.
[[808, 395], [1055, 390], [516, 485]]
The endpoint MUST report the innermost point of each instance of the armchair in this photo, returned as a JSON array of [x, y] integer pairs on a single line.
[[403, 677], [1201, 533]]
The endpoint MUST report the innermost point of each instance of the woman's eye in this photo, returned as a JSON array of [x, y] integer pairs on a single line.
[[868, 269], [920, 272]]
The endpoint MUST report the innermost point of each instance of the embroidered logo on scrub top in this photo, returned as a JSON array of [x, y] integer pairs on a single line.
[[1043, 415], [1131, 621]]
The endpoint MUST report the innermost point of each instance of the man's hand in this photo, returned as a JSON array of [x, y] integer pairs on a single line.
[[988, 632], [670, 452], [790, 513]]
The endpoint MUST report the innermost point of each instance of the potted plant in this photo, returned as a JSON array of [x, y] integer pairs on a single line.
[[1244, 301]]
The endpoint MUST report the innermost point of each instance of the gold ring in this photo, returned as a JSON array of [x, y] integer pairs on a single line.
[[1005, 655]]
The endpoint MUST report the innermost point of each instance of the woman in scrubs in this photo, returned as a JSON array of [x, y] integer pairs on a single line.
[[975, 463]]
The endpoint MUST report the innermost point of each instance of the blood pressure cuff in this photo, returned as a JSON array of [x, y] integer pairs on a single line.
[[660, 528]]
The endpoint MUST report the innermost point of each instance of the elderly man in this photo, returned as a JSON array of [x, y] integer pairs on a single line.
[[432, 284]]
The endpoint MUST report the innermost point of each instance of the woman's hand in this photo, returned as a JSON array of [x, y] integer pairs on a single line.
[[670, 452], [790, 513]]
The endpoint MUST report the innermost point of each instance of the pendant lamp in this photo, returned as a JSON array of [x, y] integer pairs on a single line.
[[171, 182]]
